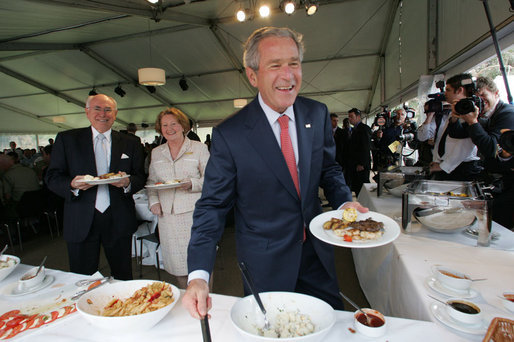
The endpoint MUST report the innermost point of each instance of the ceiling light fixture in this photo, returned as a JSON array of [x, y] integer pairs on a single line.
[[264, 11], [151, 89], [151, 76], [183, 84], [153, 1], [240, 103], [119, 91], [93, 92], [288, 6], [241, 15], [311, 7]]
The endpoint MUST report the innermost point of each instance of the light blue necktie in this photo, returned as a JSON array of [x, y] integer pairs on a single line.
[[102, 167]]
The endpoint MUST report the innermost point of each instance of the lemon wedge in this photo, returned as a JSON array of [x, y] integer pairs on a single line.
[[350, 214]]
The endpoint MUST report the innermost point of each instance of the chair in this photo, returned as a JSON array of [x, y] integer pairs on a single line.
[[154, 238], [28, 210]]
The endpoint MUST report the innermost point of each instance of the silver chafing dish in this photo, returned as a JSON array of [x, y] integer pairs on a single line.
[[398, 176], [429, 197]]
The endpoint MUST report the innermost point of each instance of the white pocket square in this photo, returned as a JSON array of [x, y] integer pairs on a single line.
[[124, 156]]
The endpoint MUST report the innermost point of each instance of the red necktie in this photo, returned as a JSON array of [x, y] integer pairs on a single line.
[[287, 150]]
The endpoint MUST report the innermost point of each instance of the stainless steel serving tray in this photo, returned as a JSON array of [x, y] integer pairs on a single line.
[[449, 189]]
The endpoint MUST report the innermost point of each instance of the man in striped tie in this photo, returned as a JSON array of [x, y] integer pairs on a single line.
[[267, 162]]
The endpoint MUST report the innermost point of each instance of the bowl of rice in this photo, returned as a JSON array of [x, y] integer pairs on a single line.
[[292, 316], [128, 306], [7, 264]]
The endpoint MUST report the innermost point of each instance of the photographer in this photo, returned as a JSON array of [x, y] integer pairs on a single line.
[[453, 158], [484, 128], [403, 131]]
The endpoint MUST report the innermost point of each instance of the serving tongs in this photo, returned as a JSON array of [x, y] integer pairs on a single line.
[[80, 293], [249, 282]]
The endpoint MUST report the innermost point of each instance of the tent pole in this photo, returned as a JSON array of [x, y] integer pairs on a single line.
[[498, 51]]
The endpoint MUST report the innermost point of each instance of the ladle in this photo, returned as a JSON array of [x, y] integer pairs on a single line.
[[356, 306]]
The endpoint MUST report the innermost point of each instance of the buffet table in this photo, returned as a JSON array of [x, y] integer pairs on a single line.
[[395, 278], [178, 325]]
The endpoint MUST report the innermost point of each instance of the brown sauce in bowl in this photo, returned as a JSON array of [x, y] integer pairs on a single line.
[[465, 308], [449, 274], [374, 321]]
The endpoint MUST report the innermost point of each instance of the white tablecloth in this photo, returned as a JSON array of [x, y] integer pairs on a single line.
[[179, 326], [394, 277]]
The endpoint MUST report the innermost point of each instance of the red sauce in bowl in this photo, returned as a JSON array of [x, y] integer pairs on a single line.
[[374, 322]]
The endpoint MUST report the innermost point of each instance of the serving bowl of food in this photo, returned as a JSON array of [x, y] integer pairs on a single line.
[[292, 316], [373, 324], [128, 306], [445, 220], [7, 264]]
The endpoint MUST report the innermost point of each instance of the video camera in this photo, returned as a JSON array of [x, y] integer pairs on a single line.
[[468, 104], [382, 119], [436, 102]]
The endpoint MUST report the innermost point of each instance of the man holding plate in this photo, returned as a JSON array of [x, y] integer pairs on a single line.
[[102, 214], [267, 162]]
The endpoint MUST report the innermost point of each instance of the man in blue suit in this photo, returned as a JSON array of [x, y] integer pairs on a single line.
[[273, 200]]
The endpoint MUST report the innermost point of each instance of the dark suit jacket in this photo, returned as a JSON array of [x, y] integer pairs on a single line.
[[360, 146], [72, 155], [341, 138], [247, 171]]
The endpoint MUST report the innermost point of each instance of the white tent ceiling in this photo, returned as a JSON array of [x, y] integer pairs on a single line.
[[360, 53]]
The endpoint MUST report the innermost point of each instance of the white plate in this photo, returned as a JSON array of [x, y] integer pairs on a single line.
[[163, 186], [103, 181], [435, 285], [391, 230], [12, 289], [439, 312]]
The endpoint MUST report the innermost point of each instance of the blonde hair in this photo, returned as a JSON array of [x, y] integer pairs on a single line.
[[177, 113]]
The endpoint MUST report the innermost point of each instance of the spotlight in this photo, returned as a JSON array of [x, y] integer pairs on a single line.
[[264, 11], [153, 1], [119, 91], [288, 6], [183, 84], [241, 15], [151, 89], [311, 7], [93, 92]]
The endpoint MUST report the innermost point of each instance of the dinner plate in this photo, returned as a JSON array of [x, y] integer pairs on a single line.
[[163, 186], [391, 230], [439, 312], [13, 290], [103, 181], [435, 285]]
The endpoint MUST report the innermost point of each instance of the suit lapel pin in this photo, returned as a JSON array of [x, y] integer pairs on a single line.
[[307, 125]]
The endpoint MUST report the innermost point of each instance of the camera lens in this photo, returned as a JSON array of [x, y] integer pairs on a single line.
[[507, 141], [465, 106]]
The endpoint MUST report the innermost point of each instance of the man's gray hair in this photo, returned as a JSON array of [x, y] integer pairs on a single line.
[[251, 55], [89, 98]]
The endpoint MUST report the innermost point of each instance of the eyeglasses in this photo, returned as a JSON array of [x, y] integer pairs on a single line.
[[106, 110]]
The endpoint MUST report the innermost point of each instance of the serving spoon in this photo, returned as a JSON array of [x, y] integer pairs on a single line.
[[41, 265], [3, 250], [356, 307], [249, 282]]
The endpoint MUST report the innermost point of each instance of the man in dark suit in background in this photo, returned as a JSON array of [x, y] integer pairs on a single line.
[[338, 139], [359, 152], [104, 214], [267, 162]]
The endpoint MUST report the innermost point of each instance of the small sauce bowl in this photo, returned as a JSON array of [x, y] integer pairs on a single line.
[[377, 325], [508, 300], [452, 279], [30, 279], [464, 311]]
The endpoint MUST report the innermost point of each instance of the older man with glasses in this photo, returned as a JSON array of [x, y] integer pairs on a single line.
[[96, 215]]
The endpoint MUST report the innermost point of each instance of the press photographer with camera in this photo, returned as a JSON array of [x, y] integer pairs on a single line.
[[453, 158], [403, 130], [484, 126]]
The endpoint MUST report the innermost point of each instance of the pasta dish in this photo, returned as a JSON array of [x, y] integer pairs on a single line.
[[147, 299]]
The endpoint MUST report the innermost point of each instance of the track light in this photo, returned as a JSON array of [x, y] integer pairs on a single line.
[[119, 91], [288, 6], [93, 92], [264, 11], [311, 7], [151, 89], [241, 15], [183, 84]]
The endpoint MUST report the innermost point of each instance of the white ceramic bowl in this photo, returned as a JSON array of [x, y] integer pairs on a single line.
[[247, 318], [122, 290], [508, 304], [4, 272], [459, 281], [463, 317], [367, 330], [30, 279]]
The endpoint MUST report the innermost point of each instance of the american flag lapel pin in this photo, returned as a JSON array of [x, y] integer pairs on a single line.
[[308, 125]]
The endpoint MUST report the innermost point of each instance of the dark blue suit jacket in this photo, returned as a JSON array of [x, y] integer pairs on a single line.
[[247, 171], [73, 154]]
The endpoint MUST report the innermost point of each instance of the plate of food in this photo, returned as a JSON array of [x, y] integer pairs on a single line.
[[164, 185], [111, 177], [349, 228]]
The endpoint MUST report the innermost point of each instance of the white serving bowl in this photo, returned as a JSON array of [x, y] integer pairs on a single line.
[[462, 283], [466, 318], [101, 296], [509, 305], [31, 278], [367, 330], [4, 272], [247, 318]]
